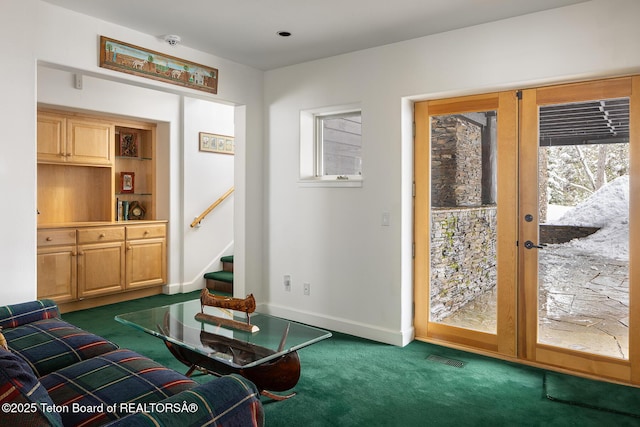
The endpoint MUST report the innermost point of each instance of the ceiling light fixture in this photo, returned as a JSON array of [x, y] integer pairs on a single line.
[[284, 33], [172, 39]]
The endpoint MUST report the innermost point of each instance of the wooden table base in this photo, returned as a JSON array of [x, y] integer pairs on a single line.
[[279, 374]]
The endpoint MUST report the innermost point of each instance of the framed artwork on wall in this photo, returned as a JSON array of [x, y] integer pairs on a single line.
[[214, 143], [127, 58]]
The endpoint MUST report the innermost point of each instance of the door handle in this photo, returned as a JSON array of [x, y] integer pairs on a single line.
[[530, 245]]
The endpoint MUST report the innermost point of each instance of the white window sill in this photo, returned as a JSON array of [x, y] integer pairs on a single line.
[[339, 183]]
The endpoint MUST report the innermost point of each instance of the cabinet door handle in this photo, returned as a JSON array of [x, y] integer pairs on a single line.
[[129, 248], [48, 239], [73, 253], [101, 236]]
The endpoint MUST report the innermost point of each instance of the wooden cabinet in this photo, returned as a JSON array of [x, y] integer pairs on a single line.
[[101, 261], [73, 140], [51, 140], [146, 255], [90, 142], [57, 265], [87, 254], [88, 262], [81, 159]]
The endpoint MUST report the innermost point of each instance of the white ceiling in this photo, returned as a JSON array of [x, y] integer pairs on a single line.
[[244, 31]]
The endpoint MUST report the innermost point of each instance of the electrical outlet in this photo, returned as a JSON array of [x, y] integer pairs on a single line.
[[307, 288], [287, 283], [77, 82]]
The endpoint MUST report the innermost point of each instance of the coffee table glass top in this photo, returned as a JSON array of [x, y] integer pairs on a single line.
[[176, 323]]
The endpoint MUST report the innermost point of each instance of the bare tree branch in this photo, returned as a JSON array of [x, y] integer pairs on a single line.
[[586, 168]]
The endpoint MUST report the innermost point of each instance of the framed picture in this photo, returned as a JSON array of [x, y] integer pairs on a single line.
[[131, 59], [127, 182], [128, 144], [215, 143]]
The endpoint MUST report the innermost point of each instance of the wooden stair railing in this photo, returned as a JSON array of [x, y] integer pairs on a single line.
[[212, 207]]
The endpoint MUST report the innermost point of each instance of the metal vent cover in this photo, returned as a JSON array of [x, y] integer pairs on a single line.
[[446, 361]]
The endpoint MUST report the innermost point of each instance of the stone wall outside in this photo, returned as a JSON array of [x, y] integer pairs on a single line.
[[456, 162], [463, 257]]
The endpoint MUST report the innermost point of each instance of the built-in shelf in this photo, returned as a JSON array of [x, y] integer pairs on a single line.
[[80, 161]]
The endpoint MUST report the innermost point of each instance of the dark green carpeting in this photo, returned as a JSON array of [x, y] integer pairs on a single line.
[[579, 391], [348, 381]]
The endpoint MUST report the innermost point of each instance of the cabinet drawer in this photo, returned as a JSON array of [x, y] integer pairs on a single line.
[[102, 234], [56, 237], [147, 231]]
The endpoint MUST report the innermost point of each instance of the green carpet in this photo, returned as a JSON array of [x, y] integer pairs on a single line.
[[579, 391], [349, 381]]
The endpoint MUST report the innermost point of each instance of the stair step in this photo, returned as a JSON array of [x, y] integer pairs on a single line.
[[221, 280], [221, 276]]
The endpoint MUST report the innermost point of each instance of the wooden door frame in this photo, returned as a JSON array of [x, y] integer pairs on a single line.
[[504, 341], [528, 346], [517, 326]]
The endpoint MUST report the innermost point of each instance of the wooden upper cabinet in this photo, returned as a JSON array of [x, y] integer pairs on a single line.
[[51, 138], [90, 142], [73, 140]]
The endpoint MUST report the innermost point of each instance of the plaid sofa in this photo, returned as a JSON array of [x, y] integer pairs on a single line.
[[56, 374]]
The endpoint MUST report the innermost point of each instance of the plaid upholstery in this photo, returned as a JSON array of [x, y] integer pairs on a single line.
[[51, 344], [227, 401], [83, 371], [18, 386], [110, 379], [27, 312]]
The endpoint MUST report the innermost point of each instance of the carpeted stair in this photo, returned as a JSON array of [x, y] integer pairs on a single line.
[[221, 281]]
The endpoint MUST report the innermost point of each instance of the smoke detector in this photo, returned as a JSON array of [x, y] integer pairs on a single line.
[[172, 39]]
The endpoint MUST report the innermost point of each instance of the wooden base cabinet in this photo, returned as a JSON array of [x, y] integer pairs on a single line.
[[146, 255], [57, 264], [101, 261], [88, 262]]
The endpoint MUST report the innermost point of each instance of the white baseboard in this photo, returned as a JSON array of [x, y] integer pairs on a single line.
[[199, 281], [346, 326], [177, 288]]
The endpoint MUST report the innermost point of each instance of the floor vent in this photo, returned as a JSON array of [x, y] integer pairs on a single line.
[[446, 361]]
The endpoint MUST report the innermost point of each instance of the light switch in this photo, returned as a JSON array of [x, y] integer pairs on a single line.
[[385, 219]]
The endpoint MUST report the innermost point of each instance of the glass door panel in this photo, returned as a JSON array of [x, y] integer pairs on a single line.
[[463, 282], [583, 281], [524, 208], [577, 210], [466, 222]]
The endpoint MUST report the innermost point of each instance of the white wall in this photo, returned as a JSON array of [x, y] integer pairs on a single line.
[[360, 271], [17, 167], [207, 176], [64, 43]]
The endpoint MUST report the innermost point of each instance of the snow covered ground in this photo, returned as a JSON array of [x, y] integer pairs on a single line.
[[583, 284], [607, 208]]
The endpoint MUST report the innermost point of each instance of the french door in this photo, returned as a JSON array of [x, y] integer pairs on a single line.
[[466, 222], [524, 205]]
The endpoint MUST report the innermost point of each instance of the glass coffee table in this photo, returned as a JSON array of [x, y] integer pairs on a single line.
[[267, 357]]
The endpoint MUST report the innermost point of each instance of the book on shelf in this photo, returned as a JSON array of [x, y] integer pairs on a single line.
[[118, 209]]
